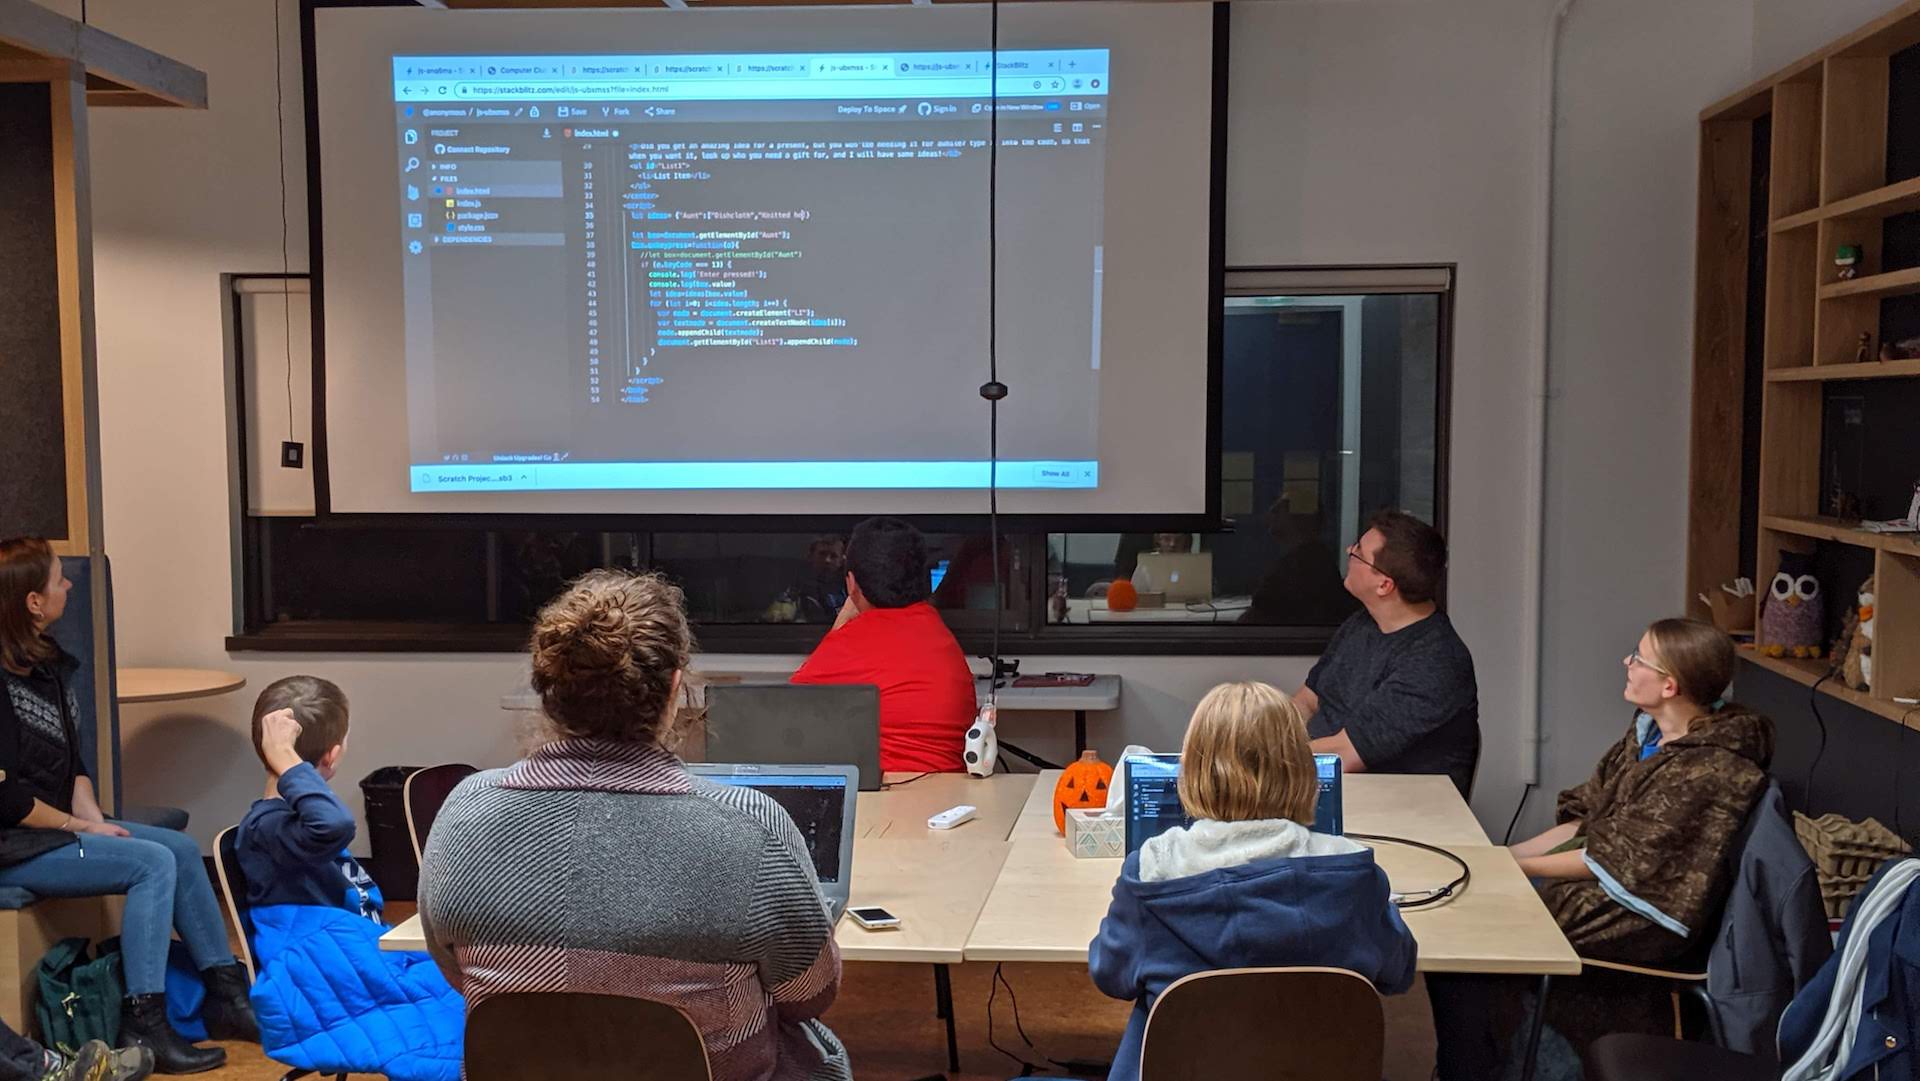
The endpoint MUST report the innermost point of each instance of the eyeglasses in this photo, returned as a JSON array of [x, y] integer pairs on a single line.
[[1635, 658], [1353, 552]]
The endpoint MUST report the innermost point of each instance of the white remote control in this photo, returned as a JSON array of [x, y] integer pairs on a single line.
[[951, 817]]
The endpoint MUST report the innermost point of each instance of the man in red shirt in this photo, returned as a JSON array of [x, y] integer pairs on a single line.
[[888, 635]]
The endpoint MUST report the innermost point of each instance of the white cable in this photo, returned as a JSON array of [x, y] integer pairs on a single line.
[[1833, 1043]]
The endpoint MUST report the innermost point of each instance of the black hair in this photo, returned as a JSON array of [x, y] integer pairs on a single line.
[[888, 559]]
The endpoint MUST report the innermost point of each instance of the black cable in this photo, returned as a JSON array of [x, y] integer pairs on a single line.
[[1424, 898], [993, 991], [904, 781], [1813, 703], [83, 11], [286, 264], [1000, 980], [1515, 820], [994, 390]]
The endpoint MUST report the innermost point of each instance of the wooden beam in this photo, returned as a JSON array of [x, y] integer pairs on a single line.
[[80, 388], [1719, 358], [128, 70]]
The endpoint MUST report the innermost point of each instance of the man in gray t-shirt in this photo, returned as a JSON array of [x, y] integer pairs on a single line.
[[1394, 692]]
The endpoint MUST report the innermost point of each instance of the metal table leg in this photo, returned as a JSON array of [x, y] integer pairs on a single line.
[[943, 1009], [1534, 1025]]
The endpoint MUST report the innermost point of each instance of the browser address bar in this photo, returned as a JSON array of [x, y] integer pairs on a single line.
[[748, 89]]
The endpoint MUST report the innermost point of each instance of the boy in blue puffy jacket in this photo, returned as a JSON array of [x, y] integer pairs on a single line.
[[328, 999], [1248, 885]]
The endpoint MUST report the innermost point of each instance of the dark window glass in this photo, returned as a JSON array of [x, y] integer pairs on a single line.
[[1329, 414]]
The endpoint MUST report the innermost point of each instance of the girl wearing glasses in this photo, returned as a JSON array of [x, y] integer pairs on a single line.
[[1641, 861], [1638, 865]]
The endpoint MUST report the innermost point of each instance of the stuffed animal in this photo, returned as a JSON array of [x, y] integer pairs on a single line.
[[1857, 670], [1793, 617]]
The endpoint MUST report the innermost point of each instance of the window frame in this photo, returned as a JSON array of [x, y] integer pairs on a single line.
[[1032, 635]]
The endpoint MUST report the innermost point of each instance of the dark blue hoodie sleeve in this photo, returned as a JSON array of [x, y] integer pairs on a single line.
[[1391, 940], [319, 827], [1113, 955]]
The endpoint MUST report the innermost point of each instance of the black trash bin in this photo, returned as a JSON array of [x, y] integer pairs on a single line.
[[391, 863]]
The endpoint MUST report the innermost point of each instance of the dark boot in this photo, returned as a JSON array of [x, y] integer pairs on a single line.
[[143, 1022], [228, 1010]]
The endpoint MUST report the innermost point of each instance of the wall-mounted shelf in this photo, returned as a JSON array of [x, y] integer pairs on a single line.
[[1873, 369], [1892, 284], [1807, 673], [1886, 202], [1820, 130], [1833, 529]]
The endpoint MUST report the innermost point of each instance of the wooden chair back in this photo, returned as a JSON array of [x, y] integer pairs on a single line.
[[538, 1037], [1275, 1024]]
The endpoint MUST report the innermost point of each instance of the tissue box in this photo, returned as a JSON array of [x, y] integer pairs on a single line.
[[1095, 834]]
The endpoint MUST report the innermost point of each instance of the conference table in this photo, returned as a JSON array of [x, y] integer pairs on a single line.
[[1005, 887]]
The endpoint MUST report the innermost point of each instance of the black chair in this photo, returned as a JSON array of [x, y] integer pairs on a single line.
[[233, 891], [423, 794], [537, 1037]]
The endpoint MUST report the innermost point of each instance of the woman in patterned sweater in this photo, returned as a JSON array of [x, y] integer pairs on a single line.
[[598, 864]]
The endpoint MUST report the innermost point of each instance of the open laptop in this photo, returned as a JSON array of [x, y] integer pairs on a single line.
[[1185, 577], [1153, 797], [820, 800], [773, 723]]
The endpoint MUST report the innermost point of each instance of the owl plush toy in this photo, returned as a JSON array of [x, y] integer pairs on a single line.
[[1793, 617]]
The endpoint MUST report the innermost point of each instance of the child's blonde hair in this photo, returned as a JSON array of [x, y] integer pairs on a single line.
[[1246, 756]]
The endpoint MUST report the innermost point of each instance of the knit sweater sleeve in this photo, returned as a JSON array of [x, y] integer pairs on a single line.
[[787, 934]]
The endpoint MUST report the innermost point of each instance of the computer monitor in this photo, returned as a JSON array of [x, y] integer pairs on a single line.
[[1153, 797], [798, 724], [820, 800]]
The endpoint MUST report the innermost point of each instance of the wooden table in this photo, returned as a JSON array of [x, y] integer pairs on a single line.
[[1424, 808], [1047, 906], [172, 684], [903, 811]]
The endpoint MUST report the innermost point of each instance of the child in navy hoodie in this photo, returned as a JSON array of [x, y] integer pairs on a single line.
[[330, 1001], [1247, 885]]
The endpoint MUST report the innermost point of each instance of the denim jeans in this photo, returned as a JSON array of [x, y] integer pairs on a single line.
[[166, 886]]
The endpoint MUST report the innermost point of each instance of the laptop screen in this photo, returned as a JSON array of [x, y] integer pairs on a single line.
[[1153, 797], [816, 803]]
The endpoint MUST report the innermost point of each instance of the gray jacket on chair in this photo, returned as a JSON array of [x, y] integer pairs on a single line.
[[1773, 932]]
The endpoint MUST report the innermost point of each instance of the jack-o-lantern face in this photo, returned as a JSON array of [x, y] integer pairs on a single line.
[[1082, 784]]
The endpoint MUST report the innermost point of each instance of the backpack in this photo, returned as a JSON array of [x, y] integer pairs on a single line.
[[80, 997]]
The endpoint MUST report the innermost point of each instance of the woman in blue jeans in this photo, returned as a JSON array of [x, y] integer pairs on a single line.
[[55, 842]]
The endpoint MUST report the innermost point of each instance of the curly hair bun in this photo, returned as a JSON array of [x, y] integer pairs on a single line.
[[605, 653]]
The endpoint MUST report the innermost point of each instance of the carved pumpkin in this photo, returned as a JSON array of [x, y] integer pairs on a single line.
[[1122, 597], [1082, 784]]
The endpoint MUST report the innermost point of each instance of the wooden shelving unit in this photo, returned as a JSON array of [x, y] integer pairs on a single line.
[[1827, 186]]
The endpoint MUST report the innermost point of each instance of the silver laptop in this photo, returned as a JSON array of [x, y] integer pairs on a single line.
[[820, 800], [1185, 577], [782, 722]]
